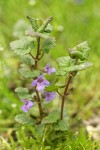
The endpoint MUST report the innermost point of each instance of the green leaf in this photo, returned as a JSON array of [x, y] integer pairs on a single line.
[[22, 46], [48, 44], [76, 55], [61, 125], [24, 119], [52, 117], [61, 72], [81, 66], [24, 96], [51, 88], [33, 22], [27, 73], [23, 93], [36, 34], [66, 65], [83, 46], [21, 90], [65, 70], [78, 67], [45, 24], [40, 129], [81, 51], [28, 60], [49, 28], [65, 61]]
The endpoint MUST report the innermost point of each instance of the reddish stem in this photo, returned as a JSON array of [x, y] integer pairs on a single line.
[[71, 75], [38, 52], [39, 104], [64, 95], [35, 67]]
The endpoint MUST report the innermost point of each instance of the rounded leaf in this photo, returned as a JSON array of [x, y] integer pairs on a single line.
[[24, 119]]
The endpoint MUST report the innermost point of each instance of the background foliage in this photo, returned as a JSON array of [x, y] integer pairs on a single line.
[[74, 21]]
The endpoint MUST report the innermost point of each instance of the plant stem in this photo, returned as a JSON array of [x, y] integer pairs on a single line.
[[71, 75], [35, 67], [38, 52], [64, 95], [39, 103]]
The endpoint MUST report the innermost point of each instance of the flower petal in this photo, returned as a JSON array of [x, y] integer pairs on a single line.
[[50, 96], [47, 66], [40, 86], [41, 76], [28, 104], [53, 70], [24, 108], [34, 82], [46, 82]]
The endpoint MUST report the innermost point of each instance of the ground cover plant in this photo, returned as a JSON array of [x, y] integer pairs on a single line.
[[50, 127]]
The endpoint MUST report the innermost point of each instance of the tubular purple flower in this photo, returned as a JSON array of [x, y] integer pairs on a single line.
[[27, 105], [49, 96], [40, 83], [49, 70]]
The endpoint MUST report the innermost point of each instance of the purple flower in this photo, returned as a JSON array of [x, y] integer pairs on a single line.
[[27, 105], [40, 83], [49, 70], [49, 96]]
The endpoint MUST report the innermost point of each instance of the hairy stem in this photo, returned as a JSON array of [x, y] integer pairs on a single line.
[[35, 67], [39, 104], [38, 52], [71, 75], [64, 95]]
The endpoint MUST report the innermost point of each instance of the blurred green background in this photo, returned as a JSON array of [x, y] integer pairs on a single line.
[[74, 21]]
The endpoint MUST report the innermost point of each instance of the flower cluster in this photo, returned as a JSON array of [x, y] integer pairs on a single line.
[[40, 83]]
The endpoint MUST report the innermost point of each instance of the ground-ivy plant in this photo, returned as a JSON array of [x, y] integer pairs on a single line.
[[31, 49]]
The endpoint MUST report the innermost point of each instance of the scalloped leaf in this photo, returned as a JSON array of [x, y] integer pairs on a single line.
[[45, 24], [23, 93], [66, 65], [76, 55], [33, 22], [22, 46], [27, 59], [82, 46], [27, 73], [61, 125], [25, 119], [79, 67], [21, 90], [63, 64], [80, 51], [52, 117], [24, 96], [48, 44], [49, 28], [65, 61]]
